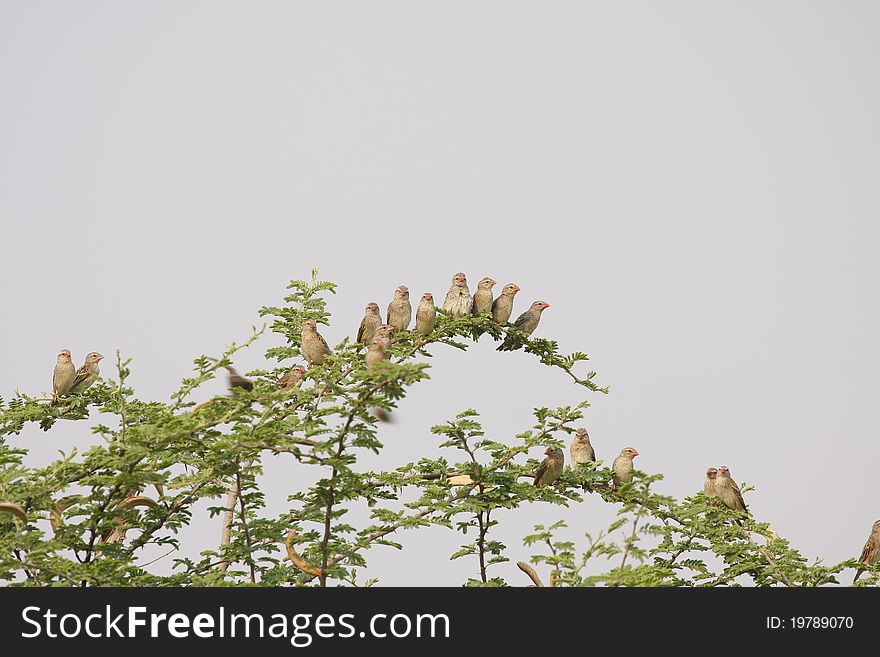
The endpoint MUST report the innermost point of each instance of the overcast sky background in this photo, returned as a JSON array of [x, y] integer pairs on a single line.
[[692, 186]]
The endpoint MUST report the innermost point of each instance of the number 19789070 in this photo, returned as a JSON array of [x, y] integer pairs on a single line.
[[810, 623]]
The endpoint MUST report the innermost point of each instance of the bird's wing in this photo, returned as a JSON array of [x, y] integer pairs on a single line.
[[738, 495], [323, 342], [450, 296], [870, 549], [541, 471], [361, 329], [81, 375], [522, 319]]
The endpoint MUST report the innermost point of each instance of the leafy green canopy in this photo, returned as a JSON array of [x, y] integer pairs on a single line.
[[85, 518]]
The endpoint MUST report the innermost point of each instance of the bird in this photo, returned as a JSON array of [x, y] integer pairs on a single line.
[[371, 321], [235, 379], [426, 315], [709, 484], [292, 379], [502, 307], [871, 551], [622, 468], [399, 310], [63, 376], [483, 296], [314, 347], [88, 373], [458, 300], [550, 468], [525, 324], [385, 334], [376, 353], [727, 490], [581, 450]]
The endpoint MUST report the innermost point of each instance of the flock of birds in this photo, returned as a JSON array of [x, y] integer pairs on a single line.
[[377, 336]]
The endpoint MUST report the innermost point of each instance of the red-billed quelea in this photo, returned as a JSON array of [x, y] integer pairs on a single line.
[[372, 320], [727, 490], [458, 301], [709, 484], [399, 310], [88, 373], [385, 334], [292, 379], [622, 468], [63, 376], [871, 551], [426, 315], [550, 468], [525, 323], [375, 353], [581, 450], [502, 307], [314, 347], [483, 296], [234, 379]]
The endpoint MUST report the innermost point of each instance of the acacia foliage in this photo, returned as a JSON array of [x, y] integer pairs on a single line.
[[85, 518]]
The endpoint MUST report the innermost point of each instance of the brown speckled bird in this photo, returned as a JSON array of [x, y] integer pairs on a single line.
[[399, 310], [727, 490], [314, 347], [709, 483], [525, 323], [458, 300], [426, 315], [581, 450], [292, 379], [502, 307], [371, 321], [871, 551], [550, 468], [622, 468], [375, 353], [88, 373], [62, 378], [385, 334], [483, 296]]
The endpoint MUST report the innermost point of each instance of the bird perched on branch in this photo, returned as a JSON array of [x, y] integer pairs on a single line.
[[581, 450], [385, 334], [727, 490], [88, 373], [502, 307], [234, 379], [525, 324], [314, 347], [709, 484], [372, 320], [622, 468], [426, 315], [871, 551], [399, 310], [458, 301], [550, 468], [483, 296], [63, 376], [292, 379], [376, 353]]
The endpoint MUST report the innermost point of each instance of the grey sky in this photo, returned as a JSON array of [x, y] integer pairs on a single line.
[[692, 186]]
